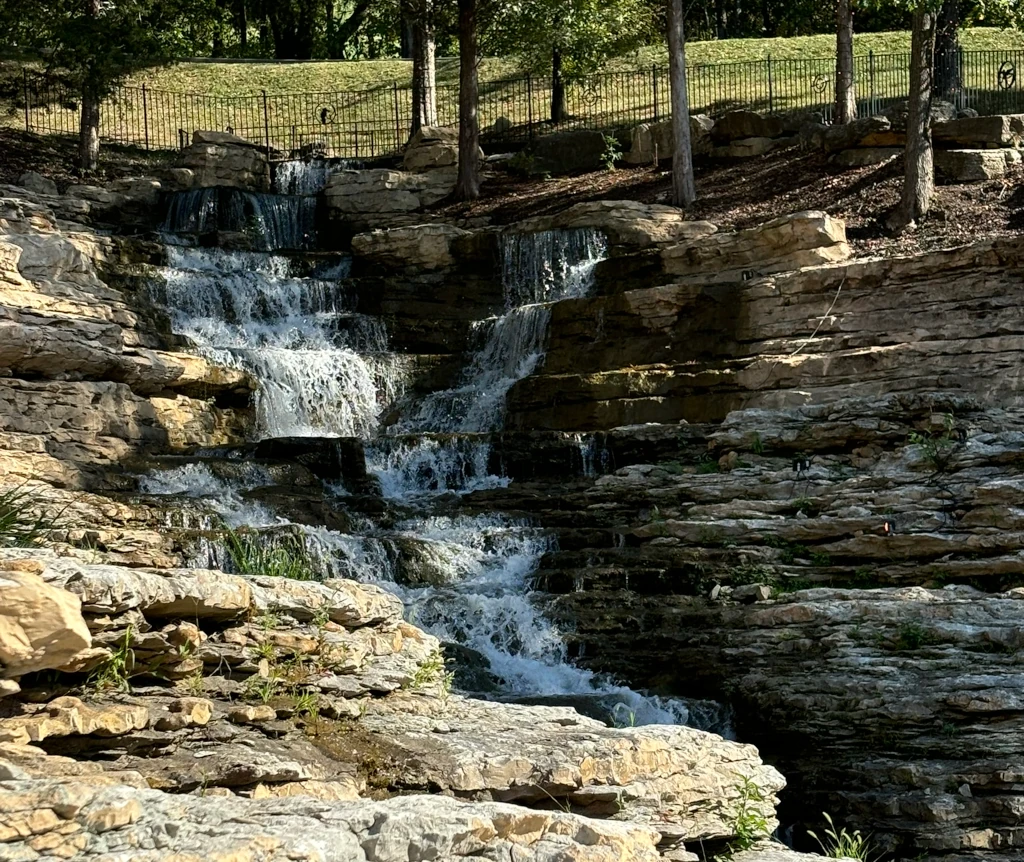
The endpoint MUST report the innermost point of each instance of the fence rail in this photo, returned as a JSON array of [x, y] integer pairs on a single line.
[[373, 123]]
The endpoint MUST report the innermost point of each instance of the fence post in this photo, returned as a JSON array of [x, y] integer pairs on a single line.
[[871, 85], [654, 88], [266, 122], [145, 116], [529, 106], [398, 121], [771, 87], [28, 125]]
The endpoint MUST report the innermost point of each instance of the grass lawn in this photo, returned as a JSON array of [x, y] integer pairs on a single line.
[[233, 78]]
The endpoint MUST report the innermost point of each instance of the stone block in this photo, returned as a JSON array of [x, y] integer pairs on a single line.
[[980, 132], [568, 152], [427, 246], [432, 147], [650, 138], [974, 166], [739, 125], [749, 148], [36, 182]]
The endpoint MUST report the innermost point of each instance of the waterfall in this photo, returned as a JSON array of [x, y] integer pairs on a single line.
[[309, 176], [322, 369], [426, 466], [268, 222]]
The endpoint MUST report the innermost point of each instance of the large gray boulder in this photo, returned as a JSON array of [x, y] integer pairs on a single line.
[[223, 159], [37, 183], [974, 166], [567, 152], [980, 132], [942, 112], [649, 139], [739, 125], [432, 147], [865, 132]]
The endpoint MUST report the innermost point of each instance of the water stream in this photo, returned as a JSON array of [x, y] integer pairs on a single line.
[[466, 578]]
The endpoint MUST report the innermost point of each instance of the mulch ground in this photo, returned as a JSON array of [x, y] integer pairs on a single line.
[[730, 194]]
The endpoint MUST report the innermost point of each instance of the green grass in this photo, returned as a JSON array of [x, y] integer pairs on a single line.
[[232, 79]]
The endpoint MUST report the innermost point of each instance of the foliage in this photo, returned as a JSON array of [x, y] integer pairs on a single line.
[[612, 152], [19, 527], [253, 554], [114, 673], [842, 844], [750, 825], [937, 447], [431, 671]]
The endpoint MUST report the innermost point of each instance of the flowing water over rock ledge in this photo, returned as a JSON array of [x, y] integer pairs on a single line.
[[470, 414]]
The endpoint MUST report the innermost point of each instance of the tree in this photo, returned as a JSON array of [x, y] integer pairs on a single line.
[[568, 38], [684, 191], [947, 51], [467, 186], [419, 14], [92, 46], [919, 171], [846, 100]]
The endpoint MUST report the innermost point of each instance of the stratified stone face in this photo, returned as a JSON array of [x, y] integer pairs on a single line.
[[427, 246], [371, 199], [650, 140], [222, 159]]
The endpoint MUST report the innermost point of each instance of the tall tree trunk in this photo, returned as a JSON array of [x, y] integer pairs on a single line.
[[947, 52], [767, 21], [467, 188], [558, 111], [348, 28], [217, 48], [846, 99], [424, 71], [919, 172], [684, 191], [243, 27], [89, 122], [721, 20]]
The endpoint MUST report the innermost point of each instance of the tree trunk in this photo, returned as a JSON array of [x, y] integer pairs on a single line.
[[243, 27], [767, 20], [684, 191], [89, 122], [467, 188], [424, 72], [721, 20], [919, 172], [348, 28], [558, 111], [846, 99], [947, 52]]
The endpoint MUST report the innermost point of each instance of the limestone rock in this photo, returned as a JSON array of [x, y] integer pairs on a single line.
[[427, 246], [738, 125], [624, 223], [41, 626], [941, 112], [223, 159], [72, 819], [866, 132], [567, 152], [973, 166], [749, 148], [383, 198], [992, 132], [36, 182], [789, 242], [650, 138], [433, 147], [69, 716]]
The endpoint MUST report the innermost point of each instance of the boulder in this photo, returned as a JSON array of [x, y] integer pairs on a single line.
[[222, 159], [738, 125], [381, 198], [787, 243], [866, 132], [624, 223], [650, 138], [427, 246], [432, 147], [37, 183], [980, 132], [41, 626], [974, 166], [567, 152], [942, 112]]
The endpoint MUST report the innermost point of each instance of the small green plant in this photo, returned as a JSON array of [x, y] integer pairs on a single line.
[[268, 620], [841, 844], [757, 446], [307, 704], [706, 464], [430, 671], [193, 685], [912, 637], [938, 447], [19, 528], [264, 650], [114, 673], [252, 554], [260, 688], [523, 164], [750, 825], [806, 506], [821, 558], [612, 153]]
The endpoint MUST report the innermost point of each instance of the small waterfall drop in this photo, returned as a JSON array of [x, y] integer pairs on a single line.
[[267, 222], [309, 176], [295, 335]]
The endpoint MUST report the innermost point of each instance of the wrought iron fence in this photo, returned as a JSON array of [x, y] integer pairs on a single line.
[[373, 123]]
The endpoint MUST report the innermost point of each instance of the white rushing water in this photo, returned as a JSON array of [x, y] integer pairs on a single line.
[[309, 176], [323, 370]]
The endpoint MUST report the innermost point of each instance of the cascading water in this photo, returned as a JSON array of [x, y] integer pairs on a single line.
[[309, 176], [466, 578], [295, 335], [268, 222]]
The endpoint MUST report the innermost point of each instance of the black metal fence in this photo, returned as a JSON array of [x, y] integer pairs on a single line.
[[373, 123]]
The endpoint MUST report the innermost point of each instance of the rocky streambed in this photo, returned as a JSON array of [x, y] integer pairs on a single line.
[[551, 492]]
